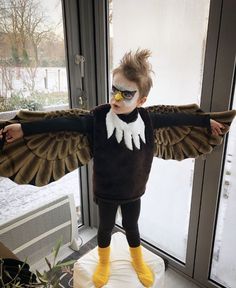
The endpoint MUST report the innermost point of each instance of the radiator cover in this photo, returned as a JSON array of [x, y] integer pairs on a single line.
[[35, 233]]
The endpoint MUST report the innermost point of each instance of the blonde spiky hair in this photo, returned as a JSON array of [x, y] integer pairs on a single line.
[[136, 67]]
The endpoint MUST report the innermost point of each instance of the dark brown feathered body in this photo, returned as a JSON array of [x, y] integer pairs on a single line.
[[120, 174]]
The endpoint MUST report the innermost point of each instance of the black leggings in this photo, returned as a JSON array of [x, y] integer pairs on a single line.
[[107, 216]]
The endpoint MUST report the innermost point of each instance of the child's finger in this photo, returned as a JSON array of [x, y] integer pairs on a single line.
[[10, 140], [2, 134], [5, 129], [217, 131]]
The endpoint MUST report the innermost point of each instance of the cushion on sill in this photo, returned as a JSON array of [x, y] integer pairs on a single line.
[[122, 272]]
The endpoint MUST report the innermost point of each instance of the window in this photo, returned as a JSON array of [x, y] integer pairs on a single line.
[[176, 33], [223, 259], [33, 75]]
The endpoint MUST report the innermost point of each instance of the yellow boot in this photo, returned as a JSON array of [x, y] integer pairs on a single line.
[[102, 272], [144, 273]]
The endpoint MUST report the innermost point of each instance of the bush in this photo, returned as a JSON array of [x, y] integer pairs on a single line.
[[36, 101], [17, 102]]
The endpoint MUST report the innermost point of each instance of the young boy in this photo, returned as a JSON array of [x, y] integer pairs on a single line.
[[123, 142]]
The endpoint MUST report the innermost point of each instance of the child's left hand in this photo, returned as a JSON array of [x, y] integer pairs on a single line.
[[216, 127]]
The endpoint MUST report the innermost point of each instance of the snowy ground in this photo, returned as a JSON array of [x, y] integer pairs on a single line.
[[16, 200]]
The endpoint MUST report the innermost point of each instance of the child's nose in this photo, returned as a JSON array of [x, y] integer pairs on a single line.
[[118, 96]]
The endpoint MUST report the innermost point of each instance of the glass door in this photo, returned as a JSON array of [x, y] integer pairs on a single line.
[[34, 76], [215, 264], [175, 32], [223, 265]]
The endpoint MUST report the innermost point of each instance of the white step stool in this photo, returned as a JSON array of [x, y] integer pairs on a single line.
[[122, 271]]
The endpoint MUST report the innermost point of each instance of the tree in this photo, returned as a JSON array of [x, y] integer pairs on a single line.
[[26, 25]]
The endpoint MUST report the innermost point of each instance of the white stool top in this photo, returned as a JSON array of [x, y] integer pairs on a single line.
[[123, 274]]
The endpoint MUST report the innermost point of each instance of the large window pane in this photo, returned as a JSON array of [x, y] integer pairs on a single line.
[[32, 55], [175, 32], [223, 268], [33, 76]]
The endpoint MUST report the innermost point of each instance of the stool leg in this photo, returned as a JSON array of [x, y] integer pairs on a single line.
[[102, 272], [144, 273]]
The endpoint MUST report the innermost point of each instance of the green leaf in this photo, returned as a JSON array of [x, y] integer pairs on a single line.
[[56, 284], [38, 274], [56, 249], [41, 277], [49, 264], [8, 275], [43, 281], [17, 284], [67, 263]]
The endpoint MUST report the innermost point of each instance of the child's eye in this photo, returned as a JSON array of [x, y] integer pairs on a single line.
[[114, 89], [127, 95]]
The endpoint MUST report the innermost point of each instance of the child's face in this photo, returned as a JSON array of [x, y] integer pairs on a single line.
[[125, 95]]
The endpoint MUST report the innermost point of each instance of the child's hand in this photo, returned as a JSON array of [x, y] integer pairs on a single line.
[[216, 127], [12, 132]]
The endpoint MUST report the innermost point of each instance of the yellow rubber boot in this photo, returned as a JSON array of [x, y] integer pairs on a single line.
[[102, 272], [144, 273]]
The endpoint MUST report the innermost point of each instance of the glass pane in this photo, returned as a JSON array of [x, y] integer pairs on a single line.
[[33, 76], [223, 268], [175, 32], [33, 73]]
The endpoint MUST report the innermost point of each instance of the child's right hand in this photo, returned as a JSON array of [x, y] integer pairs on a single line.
[[13, 132]]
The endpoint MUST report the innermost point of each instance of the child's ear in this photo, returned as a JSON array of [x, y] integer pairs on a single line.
[[142, 101]]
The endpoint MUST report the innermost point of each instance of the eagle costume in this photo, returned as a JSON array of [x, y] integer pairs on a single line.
[[122, 152]]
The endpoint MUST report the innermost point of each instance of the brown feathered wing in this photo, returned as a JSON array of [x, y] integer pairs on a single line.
[[43, 158], [181, 142]]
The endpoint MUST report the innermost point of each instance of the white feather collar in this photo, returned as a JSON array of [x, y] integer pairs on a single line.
[[129, 131]]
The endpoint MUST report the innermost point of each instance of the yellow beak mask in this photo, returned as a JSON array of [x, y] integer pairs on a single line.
[[118, 96]]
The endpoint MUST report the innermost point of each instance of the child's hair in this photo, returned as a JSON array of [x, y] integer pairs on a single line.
[[136, 67]]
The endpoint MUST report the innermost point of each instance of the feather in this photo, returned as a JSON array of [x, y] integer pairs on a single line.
[[187, 141], [109, 124], [128, 139], [136, 140], [42, 158], [44, 173], [119, 135], [53, 149], [33, 142], [11, 149], [71, 162], [178, 152], [83, 156], [43, 147], [11, 166], [73, 143], [127, 131], [189, 149], [27, 172], [58, 169], [62, 154]]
